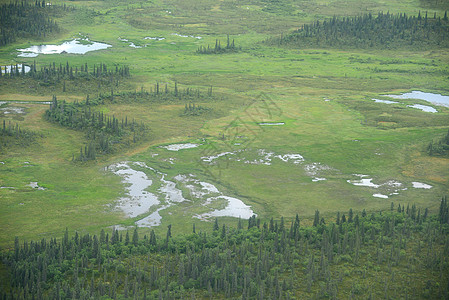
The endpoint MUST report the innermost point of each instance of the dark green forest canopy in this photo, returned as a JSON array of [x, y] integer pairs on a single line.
[[27, 19], [397, 254], [384, 31]]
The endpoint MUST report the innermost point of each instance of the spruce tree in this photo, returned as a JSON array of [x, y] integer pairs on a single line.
[[216, 227], [316, 219], [135, 237]]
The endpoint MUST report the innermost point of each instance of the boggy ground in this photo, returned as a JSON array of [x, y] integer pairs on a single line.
[[323, 97]]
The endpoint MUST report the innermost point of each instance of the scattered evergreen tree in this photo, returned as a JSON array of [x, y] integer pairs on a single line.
[[441, 147], [12, 135], [218, 49], [316, 219], [443, 213]]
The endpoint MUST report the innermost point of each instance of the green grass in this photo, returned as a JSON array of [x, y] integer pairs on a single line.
[[344, 133]]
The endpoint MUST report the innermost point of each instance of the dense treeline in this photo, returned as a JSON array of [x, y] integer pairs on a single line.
[[102, 131], [384, 31], [440, 147], [56, 72], [94, 79], [218, 49], [387, 255], [24, 19], [13, 135]]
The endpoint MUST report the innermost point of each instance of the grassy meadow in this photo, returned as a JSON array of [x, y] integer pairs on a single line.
[[323, 97]]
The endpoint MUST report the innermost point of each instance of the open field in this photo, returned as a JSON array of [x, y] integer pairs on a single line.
[[323, 97]]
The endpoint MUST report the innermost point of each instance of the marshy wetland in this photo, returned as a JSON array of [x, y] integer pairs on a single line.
[[265, 135], [148, 114], [268, 105]]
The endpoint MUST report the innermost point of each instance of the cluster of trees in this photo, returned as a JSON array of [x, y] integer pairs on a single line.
[[12, 134], [194, 110], [24, 19], [102, 131], [66, 71], [384, 31], [382, 255], [218, 49], [53, 73], [441, 147], [160, 93]]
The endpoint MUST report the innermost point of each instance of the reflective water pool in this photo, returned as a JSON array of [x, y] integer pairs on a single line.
[[437, 99], [76, 46]]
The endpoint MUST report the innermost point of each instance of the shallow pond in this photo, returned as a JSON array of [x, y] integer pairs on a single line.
[[316, 179], [272, 124], [131, 44], [73, 47], [208, 194], [315, 169], [19, 66], [198, 189], [424, 108], [295, 158], [392, 186], [420, 185], [380, 196], [211, 158], [265, 157], [152, 220], [171, 192], [34, 185], [7, 109], [187, 36], [209, 187], [23, 102], [234, 208], [437, 99], [154, 38], [12, 110], [137, 201], [364, 182], [177, 147], [384, 101], [388, 188]]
